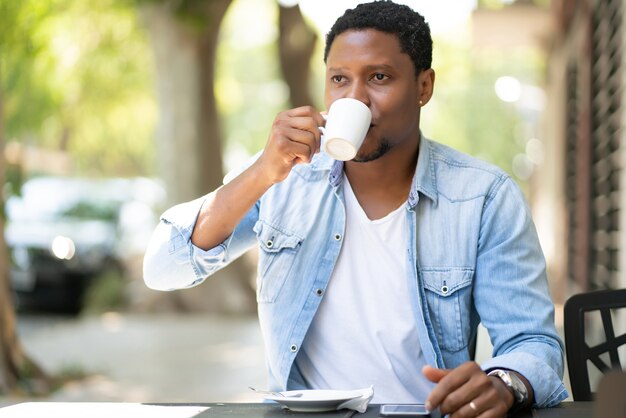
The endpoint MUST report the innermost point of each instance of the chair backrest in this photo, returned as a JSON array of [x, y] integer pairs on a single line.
[[578, 350]]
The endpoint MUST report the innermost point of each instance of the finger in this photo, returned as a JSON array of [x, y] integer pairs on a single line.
[[458, 387], [309, 124], [469, 410], [305, 138], [309, 112], [477, 385], [438, 394], [294, 145], [482, 406], [473, 408], [304, 123], [433, 374], [305, 111]]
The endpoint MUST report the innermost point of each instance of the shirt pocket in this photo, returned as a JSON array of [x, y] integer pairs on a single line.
[[449, 297], [278, 250]]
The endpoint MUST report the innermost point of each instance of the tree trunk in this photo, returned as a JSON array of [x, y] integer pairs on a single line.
[[18, 374], [188, 134], [296, 45], [188, 137]]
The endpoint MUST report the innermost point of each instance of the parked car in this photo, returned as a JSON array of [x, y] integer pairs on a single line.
[[64, 232]]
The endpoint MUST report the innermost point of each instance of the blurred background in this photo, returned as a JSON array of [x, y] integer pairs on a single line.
[[113, 110]]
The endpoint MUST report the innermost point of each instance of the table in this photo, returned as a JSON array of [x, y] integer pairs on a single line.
[[564, 410], [228, 410]]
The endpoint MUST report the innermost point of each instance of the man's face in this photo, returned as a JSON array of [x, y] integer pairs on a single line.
[[368, 65]]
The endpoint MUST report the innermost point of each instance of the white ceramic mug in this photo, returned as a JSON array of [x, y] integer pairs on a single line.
[[347, 123]]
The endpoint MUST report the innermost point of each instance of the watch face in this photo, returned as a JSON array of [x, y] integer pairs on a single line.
[[519, 388], [514, 383]]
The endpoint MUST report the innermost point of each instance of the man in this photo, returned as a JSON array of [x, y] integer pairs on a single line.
[[378, 270]]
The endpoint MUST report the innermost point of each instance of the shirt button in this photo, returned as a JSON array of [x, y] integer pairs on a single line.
[[444, 289], [319, 292], [293, 348], [337, 237], [269, 244]]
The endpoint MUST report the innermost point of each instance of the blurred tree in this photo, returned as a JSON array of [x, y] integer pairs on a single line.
[[465, 111], [184, 37], [189, 140], [297, 43], [17, 371], [249, 86], [82, 85], [104, 114]]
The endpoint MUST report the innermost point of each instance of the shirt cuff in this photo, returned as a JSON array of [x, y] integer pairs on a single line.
[[183, 217], [547, 386]]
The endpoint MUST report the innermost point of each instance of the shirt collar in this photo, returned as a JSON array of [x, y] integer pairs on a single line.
[[424, 180]]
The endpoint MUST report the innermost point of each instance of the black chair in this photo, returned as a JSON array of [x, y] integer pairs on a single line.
[[578, 350]]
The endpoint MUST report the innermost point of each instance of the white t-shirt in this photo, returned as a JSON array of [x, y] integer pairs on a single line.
[[364, 331]]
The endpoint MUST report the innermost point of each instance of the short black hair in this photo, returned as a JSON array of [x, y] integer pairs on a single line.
[[386, 16]]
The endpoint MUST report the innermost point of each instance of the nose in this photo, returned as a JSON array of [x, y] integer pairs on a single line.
[[358, 91]]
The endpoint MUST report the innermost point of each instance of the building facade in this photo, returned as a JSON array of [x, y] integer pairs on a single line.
[[581, 183]]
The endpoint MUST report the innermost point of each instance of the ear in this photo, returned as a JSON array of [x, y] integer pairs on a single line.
[[426, 84]]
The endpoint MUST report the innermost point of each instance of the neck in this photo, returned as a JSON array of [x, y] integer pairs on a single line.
[[384, 184]]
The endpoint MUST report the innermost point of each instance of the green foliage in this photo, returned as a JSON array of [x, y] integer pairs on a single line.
[[70, 372], [193, 13], [249, 88], [101, 210], [465, 112], [105, 293], [77, 77], [19, 45]]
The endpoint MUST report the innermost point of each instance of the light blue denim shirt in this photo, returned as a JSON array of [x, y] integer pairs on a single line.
[[473, 250]]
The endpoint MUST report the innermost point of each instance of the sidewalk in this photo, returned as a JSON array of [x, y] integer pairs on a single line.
[[148, 358], [155, 358]]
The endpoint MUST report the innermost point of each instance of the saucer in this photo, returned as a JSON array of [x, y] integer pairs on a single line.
[[316, 400]]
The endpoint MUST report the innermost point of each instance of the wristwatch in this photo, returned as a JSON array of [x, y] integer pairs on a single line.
[[514, 384]]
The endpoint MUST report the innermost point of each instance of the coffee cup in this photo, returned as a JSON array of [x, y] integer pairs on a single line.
[[347, 123]]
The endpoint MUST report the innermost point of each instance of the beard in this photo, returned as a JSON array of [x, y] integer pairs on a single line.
[[383, 148]]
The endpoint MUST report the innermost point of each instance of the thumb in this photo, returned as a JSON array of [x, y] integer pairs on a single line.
[[433, 374]]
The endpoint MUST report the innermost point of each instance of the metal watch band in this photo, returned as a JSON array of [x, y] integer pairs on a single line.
[[513, 383]]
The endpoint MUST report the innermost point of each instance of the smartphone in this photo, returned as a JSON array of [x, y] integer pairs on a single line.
[[404, 410]]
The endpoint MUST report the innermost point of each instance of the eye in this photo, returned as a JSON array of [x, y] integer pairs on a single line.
[[337, 78], [380, 77]]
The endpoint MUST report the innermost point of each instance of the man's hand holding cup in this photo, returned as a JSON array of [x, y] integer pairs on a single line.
[[296, 136]]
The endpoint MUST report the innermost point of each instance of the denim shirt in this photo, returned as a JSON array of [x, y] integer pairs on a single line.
[[473, 250]]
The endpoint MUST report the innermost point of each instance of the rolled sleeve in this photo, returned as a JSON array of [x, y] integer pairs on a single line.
[[512, 296], [183, 217], [166, 264], [546, 383], [172, 261]]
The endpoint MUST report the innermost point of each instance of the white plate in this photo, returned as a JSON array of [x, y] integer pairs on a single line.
[[316, 400]]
